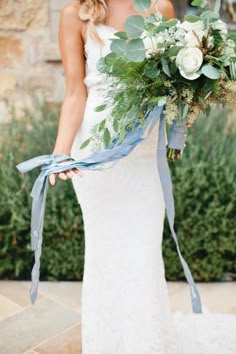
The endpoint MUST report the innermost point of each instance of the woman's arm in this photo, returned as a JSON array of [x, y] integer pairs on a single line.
[[72, 51], [166, 8]]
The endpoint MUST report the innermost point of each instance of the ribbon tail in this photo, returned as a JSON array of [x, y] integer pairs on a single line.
[[167, 188], [37, 221]]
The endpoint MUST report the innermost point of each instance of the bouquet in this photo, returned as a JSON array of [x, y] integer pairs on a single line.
[[186, 67]]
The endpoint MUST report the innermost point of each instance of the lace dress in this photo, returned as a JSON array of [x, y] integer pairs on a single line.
[[124, 305]]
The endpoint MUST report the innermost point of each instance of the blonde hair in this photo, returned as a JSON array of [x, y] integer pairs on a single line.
[[93, 12]]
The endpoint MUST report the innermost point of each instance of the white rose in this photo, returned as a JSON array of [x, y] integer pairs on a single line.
[[189, 61], [221, 26], [198, 26]]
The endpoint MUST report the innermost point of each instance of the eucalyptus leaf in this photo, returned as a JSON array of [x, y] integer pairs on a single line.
[[136, 50], [169, 23], [150, 19], [165, 67], [100, 108], [106, 137], [85, 144], [150, 70], [142, 5], [101, 65], [118, 46], [210, 71], [209, 16], [191, 18], [110, 59], [134, 26], [121, 35], [101, 125], [173, 51], [116, 125], [199, 3]]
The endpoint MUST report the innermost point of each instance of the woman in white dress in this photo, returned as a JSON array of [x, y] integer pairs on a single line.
[[124, 305]]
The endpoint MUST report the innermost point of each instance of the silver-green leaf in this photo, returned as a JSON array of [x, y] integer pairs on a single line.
[[136, 50], [210, 71], [134, 26], [118, 46], [106, 137], [142, 5], [100, 108], [191, 18], [85, 144]]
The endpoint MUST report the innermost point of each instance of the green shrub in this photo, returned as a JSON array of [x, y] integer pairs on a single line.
[[205, 198], [63, 245]]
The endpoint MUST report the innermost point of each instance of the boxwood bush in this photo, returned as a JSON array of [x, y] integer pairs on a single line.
[[204, 188]]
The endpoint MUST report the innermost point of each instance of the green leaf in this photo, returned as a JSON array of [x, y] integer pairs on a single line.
[[210, 71], [142, 5], [101, 65], [169, 23], [100, 108], [116, 125], [101, 125], [110, 59], [121, 35], [85, 144], [106, 137], [118, 46], [199, 3], [191, 18], [136, 50], [209, 16], [173, 51], [151, 70], [134, 26], [165, 67]]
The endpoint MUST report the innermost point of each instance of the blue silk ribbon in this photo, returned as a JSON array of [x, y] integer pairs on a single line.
[[99, 161]]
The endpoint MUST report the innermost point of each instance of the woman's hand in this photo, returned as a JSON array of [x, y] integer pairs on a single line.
[[64, 175]]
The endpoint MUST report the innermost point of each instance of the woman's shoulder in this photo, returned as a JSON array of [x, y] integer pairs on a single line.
[[71, 12], [70, 17]]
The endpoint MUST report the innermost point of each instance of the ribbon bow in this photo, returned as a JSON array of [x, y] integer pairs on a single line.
[[59, 163]]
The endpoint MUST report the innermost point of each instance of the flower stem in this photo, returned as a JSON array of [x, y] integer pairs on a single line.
[[173, 154]]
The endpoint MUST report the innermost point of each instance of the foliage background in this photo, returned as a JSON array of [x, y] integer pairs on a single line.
[[204, 188]]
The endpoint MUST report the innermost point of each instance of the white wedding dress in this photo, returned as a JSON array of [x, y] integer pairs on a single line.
[[124, 305]]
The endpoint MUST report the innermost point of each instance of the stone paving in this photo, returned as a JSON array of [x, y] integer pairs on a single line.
[[52, 325]]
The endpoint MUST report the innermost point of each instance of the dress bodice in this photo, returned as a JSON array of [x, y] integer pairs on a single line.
[[94, 51]]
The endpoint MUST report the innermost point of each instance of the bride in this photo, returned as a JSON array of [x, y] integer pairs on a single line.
[[124, 304]]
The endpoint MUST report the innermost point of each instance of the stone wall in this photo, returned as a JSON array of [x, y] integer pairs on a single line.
[[30, 63]]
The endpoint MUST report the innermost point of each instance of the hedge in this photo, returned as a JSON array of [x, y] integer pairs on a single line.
[[204, 189]]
